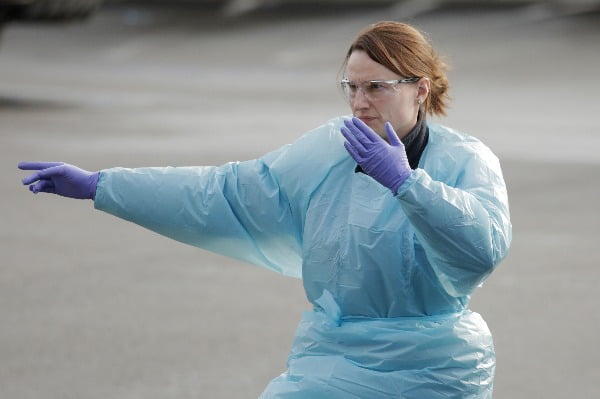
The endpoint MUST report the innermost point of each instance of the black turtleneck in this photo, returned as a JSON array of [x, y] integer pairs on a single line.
[[414, 142]]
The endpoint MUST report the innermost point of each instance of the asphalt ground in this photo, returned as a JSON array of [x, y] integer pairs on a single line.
[[95, 307]]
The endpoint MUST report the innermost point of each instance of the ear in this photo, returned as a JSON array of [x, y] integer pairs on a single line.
[[423, 87]]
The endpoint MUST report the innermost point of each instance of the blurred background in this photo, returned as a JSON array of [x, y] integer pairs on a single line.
[[94, 307]]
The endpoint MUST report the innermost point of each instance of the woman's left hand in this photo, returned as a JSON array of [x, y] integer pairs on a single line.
[[386, 163]]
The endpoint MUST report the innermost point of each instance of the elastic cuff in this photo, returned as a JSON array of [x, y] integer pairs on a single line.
[[93, 185], [100, 176], [405, 186]]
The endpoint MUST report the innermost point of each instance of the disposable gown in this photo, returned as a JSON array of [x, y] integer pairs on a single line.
[[389, 277]]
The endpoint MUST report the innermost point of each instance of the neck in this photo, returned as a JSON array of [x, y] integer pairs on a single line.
[[416, 140]]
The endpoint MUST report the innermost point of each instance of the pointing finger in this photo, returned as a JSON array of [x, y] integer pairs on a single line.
[[37, 165]]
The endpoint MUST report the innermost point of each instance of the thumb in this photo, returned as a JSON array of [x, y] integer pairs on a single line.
[[392, 136]]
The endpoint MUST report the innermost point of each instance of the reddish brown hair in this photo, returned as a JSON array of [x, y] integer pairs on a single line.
[[404, 50]]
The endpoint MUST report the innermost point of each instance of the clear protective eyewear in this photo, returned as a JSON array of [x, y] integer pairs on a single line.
[[373, 90]]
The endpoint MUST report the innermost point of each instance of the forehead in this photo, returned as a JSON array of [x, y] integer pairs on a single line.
[[361, 67]]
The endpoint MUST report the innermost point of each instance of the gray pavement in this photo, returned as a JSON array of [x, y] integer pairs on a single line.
[[94, 307]]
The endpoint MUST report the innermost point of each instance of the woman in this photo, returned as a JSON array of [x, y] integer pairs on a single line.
[[391, 221]]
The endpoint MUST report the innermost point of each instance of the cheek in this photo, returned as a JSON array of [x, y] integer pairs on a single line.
[[390, 113], [398, 112], [379, 128]]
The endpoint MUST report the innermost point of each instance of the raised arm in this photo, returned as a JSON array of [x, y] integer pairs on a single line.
[[463, 227]]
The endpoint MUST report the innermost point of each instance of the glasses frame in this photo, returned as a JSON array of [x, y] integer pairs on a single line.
[[394, 83]]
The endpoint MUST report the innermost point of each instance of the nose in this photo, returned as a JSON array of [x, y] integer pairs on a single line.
[[360, 100]]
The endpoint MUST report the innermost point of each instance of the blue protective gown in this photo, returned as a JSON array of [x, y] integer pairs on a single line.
[[389, 277]]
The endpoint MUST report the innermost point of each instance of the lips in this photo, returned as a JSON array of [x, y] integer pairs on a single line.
[[366, 119]]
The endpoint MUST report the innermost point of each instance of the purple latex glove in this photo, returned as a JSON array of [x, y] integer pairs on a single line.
[[60, 178], [386, 163]]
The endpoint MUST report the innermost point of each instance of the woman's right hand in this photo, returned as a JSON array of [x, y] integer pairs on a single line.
[[60, 178]]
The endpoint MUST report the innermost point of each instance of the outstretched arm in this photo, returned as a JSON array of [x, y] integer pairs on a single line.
[[237, 209]]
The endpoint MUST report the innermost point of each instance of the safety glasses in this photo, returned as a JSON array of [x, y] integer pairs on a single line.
[[374, 90]]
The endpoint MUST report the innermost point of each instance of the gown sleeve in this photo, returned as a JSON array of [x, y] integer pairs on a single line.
[[237, 209], [253, 211], [463, 226]]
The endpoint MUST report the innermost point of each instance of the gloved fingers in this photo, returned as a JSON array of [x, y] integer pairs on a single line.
[[38, 165], [44, 185], [353, 153], [351, 138], [367, 132], [44, 173], [31, 178], [358, 134], [392, 136]]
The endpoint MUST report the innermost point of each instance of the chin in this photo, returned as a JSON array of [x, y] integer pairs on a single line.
[[377, 127], [380, 130]]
